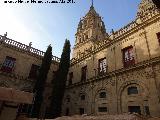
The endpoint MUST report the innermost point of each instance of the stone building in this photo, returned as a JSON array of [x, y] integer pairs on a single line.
[[118, 72], [109, 74], [18, 71]]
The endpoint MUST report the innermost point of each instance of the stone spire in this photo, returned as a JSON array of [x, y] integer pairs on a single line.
[[92, 11], [92, 3]]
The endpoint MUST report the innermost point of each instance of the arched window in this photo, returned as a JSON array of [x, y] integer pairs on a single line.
[[80, 40], [132, 90], [82, 97], [102, 95]]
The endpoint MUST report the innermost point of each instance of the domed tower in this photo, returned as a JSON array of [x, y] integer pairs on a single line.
[[90, 31]]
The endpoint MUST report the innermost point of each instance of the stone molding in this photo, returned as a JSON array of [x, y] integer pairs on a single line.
[[109, 76]]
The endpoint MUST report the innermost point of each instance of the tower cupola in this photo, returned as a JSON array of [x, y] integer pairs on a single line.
[[91, 30]]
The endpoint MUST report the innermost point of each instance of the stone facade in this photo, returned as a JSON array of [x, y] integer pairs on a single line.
[[109, 73], [129, 60], [18, 77]]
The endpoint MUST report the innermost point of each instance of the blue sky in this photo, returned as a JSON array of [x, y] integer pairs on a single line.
[[44, 24]]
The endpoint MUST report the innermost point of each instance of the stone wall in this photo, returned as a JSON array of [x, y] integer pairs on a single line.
[[144, 74]]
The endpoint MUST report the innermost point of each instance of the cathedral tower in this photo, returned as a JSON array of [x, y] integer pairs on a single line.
[[91, 30]]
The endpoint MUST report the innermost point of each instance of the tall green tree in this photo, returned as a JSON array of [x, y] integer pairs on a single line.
[[40, 82], [59, 81]]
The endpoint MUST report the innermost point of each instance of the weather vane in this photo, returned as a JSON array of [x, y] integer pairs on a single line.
[[92, 2]]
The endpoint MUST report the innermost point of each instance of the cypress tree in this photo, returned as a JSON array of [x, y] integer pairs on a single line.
[[40, 82], [59, 82]]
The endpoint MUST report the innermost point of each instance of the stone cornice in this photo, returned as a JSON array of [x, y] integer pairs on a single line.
[[140, 65]]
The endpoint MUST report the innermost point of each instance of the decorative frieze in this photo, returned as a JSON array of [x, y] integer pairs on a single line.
[[149, 72]]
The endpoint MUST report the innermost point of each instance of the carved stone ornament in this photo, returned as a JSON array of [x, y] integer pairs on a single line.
[[149, 73]]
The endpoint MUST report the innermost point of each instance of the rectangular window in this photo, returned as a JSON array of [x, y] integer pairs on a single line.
[[102, 109], [158, 37], [134, 109], [70, 78], [102, 95], [81, 111], [84, 73], [8, 64], [132, 90], [102, 69], [34, 72], [128, 56]]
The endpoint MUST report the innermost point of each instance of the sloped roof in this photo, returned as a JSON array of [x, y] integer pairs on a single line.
[[92, 12]]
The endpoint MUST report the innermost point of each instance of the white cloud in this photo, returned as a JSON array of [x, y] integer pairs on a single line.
[[21, 28], [16, 29]]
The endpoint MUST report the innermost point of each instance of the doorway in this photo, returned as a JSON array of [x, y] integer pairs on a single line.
[[134, 109]]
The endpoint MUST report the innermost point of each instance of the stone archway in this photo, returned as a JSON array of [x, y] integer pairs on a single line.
[[134, 101]]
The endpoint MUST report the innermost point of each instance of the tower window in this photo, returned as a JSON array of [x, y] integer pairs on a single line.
[[132, 90], [86, 36], [96, 37], [80, 40], [84, 73], [8, 64], [70, 78], [102, 95], [102, 66], [128, 57], [158, 37]]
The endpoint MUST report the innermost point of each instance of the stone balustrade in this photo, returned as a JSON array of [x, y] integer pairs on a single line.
[[24, 47], [125, 29]]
